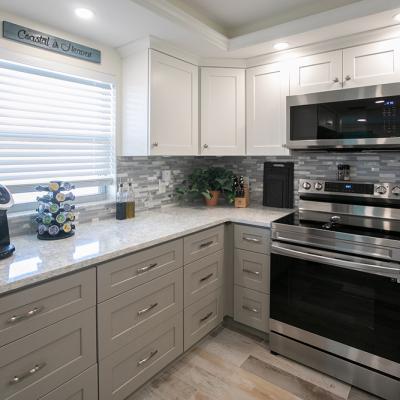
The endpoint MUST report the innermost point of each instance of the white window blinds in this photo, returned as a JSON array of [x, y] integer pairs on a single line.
[[54, 127]]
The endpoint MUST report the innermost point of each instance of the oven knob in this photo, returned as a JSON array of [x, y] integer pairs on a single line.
[[381, 190], [396, 190], [319, 186], [307, 185]]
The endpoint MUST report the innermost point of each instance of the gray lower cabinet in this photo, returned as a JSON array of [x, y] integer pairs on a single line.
[[128, 316], [252, 238], [42, 361], [252, 270], [128, 272], [22, 313], [252, 308], [202, 317], [203, 243], [82, 387], [203, 276], [124, 371]]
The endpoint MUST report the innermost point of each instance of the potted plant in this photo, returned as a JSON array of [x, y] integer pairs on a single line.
[[209, 183]]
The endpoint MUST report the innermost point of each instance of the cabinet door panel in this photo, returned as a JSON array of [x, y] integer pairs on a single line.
[[267, 88], [316, 73], [372, 64], [173, 106], [223, 111]]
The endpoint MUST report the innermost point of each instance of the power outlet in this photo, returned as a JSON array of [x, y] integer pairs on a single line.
[[162, 187], [166, 176]]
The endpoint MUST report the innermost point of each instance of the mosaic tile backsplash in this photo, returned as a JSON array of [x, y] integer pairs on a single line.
[[145, 173]]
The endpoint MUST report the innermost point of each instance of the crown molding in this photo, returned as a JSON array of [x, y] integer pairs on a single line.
[[176, 15]]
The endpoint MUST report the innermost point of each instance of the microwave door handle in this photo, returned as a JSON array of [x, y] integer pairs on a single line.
[[325, 258]]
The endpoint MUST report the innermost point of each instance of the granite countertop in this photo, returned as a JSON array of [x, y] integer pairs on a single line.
[[93, 243]]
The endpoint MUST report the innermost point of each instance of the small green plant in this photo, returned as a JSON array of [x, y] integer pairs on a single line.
[[203, 181]]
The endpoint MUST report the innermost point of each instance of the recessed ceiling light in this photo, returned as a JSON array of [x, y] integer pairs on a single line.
[[362, 120], [84, 13], [281, 46], [397, 17]]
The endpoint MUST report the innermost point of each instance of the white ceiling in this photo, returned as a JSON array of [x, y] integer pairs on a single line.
[[118, 22], [237, 17]]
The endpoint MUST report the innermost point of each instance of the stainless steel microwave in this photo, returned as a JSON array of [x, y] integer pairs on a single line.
[[359, 118]]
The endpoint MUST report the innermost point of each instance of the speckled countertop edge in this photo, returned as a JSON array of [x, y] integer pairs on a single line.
[[95, 243]]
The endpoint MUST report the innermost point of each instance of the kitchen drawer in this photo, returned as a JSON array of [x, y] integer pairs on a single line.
[[124, 318], [48, 358], [202, 317], [203, 243], [252, 270], [29, 310], [83, 387], [252, 238], [124, 371], [203, 277], [125, 273], [252, 308]]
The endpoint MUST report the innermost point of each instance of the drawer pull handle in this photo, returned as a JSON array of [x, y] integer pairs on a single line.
[[251, 309], [206, 317], [147, 309], [147, 268], [253, 240], [32, 371], [249, 271], [29, 314], [206, 244], [148, 358], [207, 277]]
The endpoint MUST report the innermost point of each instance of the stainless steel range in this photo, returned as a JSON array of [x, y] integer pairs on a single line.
[[335, 283]]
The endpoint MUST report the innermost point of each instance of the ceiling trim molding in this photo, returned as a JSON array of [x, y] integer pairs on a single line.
[[176, 15]]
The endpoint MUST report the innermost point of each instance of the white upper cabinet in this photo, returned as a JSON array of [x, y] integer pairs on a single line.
[[223, 130], [160, 105], [372, 64], [173, 106], [316, 73], [267, 87]]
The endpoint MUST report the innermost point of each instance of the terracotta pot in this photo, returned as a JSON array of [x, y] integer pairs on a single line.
[[214, 199]]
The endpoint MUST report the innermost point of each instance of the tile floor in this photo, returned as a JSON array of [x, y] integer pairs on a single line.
[[231, 365]]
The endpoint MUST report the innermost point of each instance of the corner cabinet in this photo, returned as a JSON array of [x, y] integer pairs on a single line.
[[223, 130], [160, 111], [267, 87]]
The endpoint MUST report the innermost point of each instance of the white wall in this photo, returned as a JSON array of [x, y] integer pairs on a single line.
[[110, 68]]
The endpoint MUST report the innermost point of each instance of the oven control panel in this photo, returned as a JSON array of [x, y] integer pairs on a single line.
[[356, 189]]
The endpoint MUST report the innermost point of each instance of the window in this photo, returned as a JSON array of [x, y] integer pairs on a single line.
[[54, 127]]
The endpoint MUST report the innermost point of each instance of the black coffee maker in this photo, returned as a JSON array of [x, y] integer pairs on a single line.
[[6, 201]]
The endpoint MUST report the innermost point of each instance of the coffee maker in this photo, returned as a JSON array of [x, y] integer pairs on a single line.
[[6, 201]]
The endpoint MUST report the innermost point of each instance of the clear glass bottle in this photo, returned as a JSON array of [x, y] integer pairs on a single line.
[[130, 203], [120, 204]]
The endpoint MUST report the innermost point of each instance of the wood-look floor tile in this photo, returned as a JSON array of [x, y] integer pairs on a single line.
[[298, 386], [357, 394]]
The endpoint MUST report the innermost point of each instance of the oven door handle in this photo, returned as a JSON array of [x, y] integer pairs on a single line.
[[337, 260]]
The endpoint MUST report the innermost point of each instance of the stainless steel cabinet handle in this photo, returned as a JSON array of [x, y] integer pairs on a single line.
[[249, 271], [249, 239], [336, 80], [147, 309], [32, 371], [251, 309], [206, 244], [348, 77], [206, 317], [206, 277], [148, 358], [145, 269], [155, 144], [29, 314]]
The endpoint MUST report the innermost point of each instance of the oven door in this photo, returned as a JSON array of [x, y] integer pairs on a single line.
[[347, 300]]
